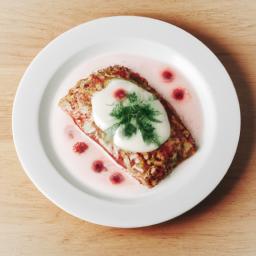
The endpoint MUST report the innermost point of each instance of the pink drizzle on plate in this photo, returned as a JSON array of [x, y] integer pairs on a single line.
[[64, 133]]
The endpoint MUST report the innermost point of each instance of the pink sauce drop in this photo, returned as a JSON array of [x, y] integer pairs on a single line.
[[119, 94], [80, 147], [98, 166], [178, 94], [116, 178], [69, 132], [167, 75]]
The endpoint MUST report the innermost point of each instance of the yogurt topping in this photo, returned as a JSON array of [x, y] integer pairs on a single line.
[[133, 138]]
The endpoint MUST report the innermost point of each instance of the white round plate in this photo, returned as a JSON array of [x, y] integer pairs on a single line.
[[198, 176]]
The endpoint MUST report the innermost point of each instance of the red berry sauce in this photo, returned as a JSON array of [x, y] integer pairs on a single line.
[[116, 178], [120, 94], [80, 147], [98, 166], [178, 94], [167, 75]]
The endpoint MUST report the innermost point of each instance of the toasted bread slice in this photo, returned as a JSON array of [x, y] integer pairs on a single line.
[[148, 168]]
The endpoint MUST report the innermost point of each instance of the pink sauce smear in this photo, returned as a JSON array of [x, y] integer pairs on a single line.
[[84, 159]]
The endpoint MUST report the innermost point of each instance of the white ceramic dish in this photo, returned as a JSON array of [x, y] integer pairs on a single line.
[[152, 38]]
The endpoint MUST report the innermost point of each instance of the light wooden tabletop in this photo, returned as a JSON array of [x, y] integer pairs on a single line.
[[223, 224]]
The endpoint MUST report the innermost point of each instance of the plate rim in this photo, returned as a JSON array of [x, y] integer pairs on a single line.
[[98, 220]]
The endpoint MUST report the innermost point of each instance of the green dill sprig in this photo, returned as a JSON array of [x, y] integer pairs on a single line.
[[133, 114]]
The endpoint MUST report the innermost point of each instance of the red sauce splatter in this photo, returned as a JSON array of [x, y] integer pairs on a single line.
[[120, 94], [167, 75], [116, 178], [80, 147], [178, 94], [98, 166]]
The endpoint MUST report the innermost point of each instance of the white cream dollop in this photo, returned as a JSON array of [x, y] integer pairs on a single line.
[[103, 103]]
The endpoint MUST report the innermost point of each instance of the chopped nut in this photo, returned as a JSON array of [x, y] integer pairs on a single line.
[[149, 162], [127, 161], [137, 160], [98, 86], [187, 146], [174, 156], [133, 156], [159, 156], [153, 170], [145, 155], [139, 169], [158, 163]]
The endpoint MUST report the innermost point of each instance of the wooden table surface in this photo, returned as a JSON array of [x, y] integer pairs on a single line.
[[223, 224]]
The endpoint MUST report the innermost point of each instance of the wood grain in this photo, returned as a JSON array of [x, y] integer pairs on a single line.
[[223, 224]]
